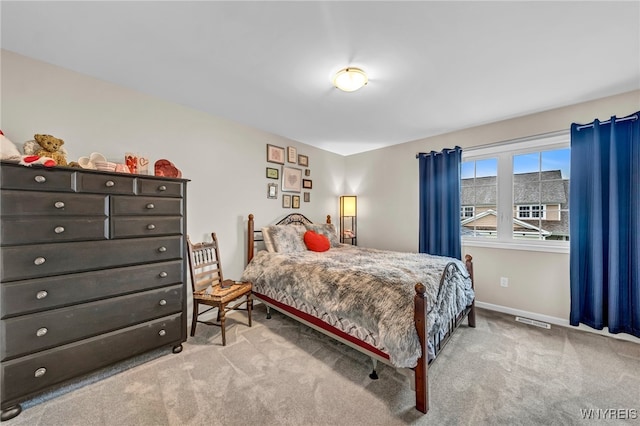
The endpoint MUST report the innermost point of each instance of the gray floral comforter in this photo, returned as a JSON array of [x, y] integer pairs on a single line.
[[374, 288]]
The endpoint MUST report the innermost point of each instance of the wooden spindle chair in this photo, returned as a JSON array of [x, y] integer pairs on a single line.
[[210, 288]]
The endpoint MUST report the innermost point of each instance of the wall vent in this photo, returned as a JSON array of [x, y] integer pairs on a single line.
[[533, 322]]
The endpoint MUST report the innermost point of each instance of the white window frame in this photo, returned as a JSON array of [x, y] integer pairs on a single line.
[[531, 210], [463, 211], [504, 152]]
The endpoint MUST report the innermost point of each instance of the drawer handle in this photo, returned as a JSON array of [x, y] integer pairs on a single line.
[[59, 229], [41, 294], [162, 249], [162, 332], [39, 260], [151, 206], [162, 302], [162, 188], [41, 331], [163, 274], [109, 183], [59, 205], [151, 227], [40, 179], [40, 372]]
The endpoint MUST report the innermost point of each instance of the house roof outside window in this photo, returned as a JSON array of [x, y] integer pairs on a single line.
[[537, 188]]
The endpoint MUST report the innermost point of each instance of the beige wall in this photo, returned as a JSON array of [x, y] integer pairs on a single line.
[[225, 161], [226, 164], [386, 182], [538, 281]]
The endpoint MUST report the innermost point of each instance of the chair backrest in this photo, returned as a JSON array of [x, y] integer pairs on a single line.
[[204, 261]]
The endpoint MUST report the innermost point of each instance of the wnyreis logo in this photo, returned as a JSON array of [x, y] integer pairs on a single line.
[[609, 413]]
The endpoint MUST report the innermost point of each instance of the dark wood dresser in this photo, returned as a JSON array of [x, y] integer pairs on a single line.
[[93, 271]]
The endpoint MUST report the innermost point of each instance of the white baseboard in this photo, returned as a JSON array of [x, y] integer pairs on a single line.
[[554, 320]]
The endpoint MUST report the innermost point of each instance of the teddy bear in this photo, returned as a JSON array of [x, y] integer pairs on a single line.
[[47, 146], [9, 152]]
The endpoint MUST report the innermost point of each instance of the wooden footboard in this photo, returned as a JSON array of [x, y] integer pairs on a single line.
[[468, 262], [420, 372], [420, 318]]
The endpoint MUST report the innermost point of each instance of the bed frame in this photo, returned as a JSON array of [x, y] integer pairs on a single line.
[[421, 383]]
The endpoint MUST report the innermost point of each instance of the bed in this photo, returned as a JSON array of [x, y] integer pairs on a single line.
[[398, 308]]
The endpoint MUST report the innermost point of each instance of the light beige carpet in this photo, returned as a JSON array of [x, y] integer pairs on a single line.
[[280, 372]]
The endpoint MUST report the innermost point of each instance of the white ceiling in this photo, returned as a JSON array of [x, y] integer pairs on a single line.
[[433, 67]]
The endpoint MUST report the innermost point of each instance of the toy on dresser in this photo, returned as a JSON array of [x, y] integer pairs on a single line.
[[9, 152], [47, 146]]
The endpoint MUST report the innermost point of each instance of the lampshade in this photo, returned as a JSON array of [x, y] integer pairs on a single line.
[[348, 205], [350, 79]]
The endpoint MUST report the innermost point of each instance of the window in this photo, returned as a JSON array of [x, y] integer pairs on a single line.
[[479, 190], [466, 212], [531, 211], [517, 193]]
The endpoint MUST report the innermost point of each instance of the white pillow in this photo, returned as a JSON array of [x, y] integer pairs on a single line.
[[266, 237]]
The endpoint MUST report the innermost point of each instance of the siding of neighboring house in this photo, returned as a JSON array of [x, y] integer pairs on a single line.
[[485, 222]]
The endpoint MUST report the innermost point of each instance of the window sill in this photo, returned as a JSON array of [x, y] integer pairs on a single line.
[[517, 245]]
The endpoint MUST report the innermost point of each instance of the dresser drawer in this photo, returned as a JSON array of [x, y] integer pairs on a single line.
[[32, 333], [23, 203], [123, 227], [159, 188], [126, 206], [16, 231], [25, 376], [62, 258], [28, 296], [36, 178], [105, 183]]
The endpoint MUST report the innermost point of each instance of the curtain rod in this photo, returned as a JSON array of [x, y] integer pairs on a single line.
[[447, 150], [631, 117]]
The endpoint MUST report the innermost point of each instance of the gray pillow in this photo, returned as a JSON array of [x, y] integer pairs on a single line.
[[286, 238], [326, 229]]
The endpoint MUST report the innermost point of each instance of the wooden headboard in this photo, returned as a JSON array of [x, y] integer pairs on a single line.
[[254, 236]]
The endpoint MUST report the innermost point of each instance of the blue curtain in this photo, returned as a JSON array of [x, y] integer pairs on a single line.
[[605, 224], [439, 231]]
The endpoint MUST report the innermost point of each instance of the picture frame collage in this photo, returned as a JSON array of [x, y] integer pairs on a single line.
[[290, 175]]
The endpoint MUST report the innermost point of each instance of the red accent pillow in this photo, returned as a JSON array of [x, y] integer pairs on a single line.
[[316, 242]]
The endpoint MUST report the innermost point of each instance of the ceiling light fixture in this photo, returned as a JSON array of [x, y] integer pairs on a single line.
[[350, 79]]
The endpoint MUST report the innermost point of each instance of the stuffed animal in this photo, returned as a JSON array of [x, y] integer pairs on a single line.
[[30, 147], [51, 147], [9, 152], [47, 146]]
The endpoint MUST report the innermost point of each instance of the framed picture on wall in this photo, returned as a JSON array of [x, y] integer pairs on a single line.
[[303, 160], [291, 179], [272, 173], [292, 154], [307, 172], [272, 190], [295, 201], [275, 154], [307, 183], [307, 197], [286, 201]]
